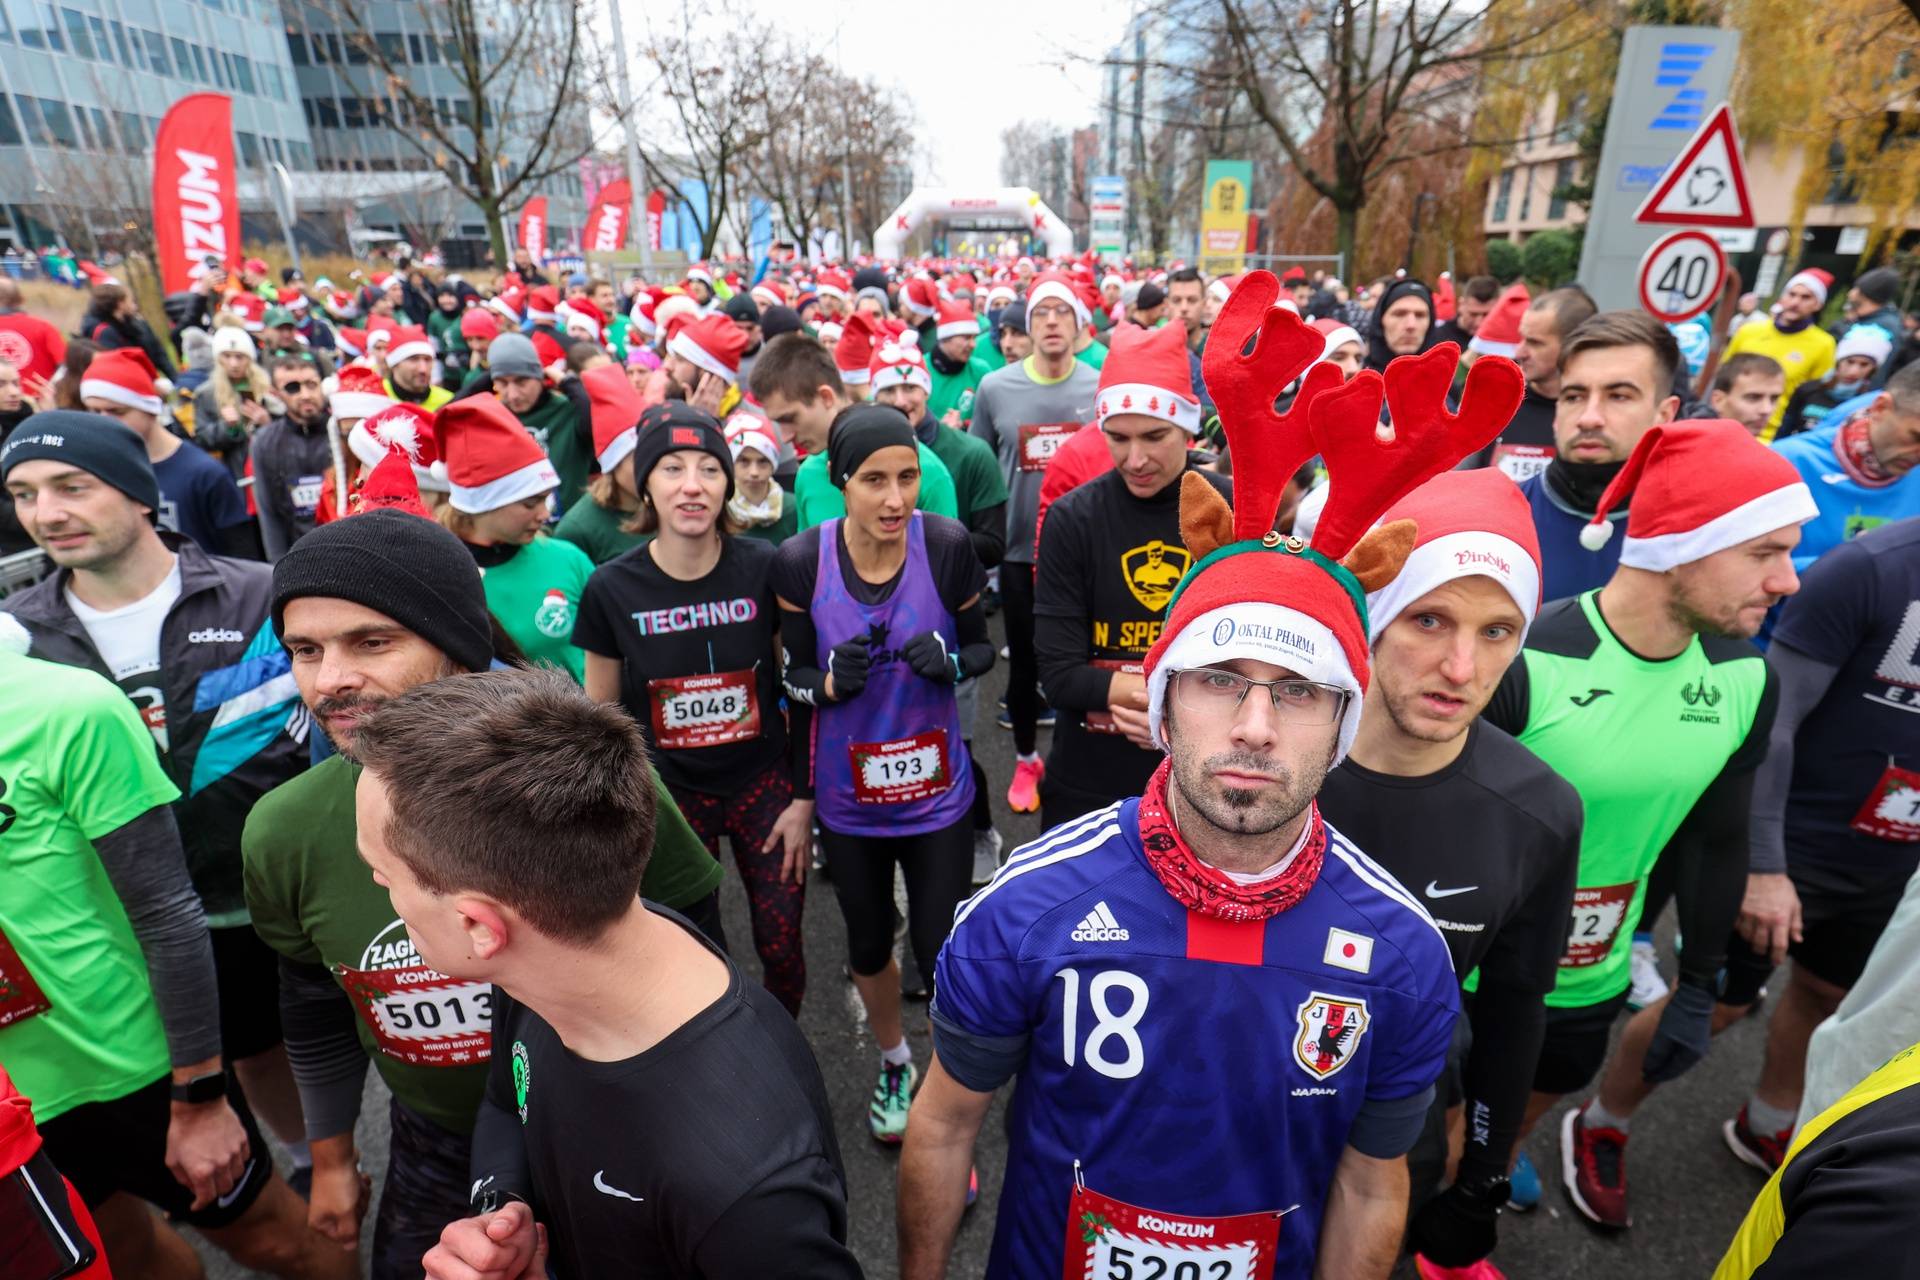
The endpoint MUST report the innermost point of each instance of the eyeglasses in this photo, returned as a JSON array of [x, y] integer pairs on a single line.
[[305, 384], [1211, 692], [1045, 312]]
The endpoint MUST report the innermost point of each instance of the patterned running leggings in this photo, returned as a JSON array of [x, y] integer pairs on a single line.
[[775, 905]]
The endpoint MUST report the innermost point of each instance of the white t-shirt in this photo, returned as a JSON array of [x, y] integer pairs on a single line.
[[128, 639]]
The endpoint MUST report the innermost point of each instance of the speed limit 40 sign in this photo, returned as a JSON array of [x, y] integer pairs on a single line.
[[1682, 275]]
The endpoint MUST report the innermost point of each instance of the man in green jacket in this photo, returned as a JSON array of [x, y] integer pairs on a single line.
[[560, 419]]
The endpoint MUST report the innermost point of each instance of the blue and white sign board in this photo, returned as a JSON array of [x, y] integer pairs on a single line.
[[1670, 80]]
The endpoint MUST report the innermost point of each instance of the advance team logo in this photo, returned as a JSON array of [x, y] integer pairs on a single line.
[[1153, 569], [1331, 1028]]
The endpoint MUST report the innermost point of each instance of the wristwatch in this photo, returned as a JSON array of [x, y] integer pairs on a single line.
[[210, 1087]]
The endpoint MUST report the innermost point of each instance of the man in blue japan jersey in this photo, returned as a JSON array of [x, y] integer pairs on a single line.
[[1226, 1020]]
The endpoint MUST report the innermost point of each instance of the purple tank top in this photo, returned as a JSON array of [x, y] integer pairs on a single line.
[[890, 761]]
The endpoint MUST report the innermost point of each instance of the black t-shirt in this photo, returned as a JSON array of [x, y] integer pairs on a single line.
[[1490, 846], [1854, 755], [1108, 564], [696, 661], [711, 1154], [1525, 445], [956, 570]]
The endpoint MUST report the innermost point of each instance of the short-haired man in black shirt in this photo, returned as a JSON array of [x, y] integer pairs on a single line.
[[1470, 821], [608, 1013]]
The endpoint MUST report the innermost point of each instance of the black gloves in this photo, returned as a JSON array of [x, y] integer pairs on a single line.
[[927, 654], [1456, 1228], [847, 665], [1686, 1025]]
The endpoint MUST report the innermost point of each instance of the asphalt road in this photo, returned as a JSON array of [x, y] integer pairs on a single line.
[[1688, 1193]]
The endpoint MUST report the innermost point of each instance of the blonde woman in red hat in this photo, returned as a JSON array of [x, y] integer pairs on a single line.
[[500, 481]]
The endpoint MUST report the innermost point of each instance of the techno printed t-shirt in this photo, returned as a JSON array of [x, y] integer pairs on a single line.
[[696, 661], [1641, 740], [77, 1017]]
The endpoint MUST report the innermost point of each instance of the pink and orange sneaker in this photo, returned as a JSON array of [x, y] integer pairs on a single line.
[[1023, 796]]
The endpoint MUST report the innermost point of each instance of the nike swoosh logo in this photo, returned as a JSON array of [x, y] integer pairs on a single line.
[[239, 1185], [600, 1185], [1435, 891], [1593, 696]]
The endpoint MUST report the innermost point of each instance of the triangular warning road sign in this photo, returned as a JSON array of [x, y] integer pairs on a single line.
[[1706, 186]]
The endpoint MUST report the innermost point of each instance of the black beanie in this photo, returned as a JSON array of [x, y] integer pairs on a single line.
[[861, 432], [90, 442], [673, 425], [776, 320], [1879, 285], [410, 569]]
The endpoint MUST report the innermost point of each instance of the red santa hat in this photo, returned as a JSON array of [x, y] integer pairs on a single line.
[[1056, 285], [408, 340], [1253, 593], [351, 341], [1471, 523], [506, 304], [543, 304], [477, 324], [1335, 335], [674, 311], [712, 342], [1147, 371], [379, 333], [897, 361], [252, 310], [956, 321], [853, 353], [829, 331], [292, 299], [701, 272], [579, 316], [254, 266], [1820, 282], [765, 295], [1698, 487], [750, 431], [491, 459], [392, 482], [126, 377], [402, 426], [616, 413], [920, 298], [1499, 333], [1001, 291], [833, 283]]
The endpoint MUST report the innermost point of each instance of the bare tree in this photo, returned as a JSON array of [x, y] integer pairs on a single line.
[[514, 117]]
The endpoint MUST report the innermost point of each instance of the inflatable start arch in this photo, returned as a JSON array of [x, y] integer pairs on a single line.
[[946, 202]]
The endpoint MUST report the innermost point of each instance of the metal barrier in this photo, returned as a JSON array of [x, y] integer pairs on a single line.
[[22, 569]]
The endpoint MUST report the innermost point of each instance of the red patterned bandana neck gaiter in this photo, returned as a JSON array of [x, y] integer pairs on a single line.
[[1199, 887], [1854, 448]]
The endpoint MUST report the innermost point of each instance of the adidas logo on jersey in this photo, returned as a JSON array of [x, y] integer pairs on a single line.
[[1099, 926], [215, 635]]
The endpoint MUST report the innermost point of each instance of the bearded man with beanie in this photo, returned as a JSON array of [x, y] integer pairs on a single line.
[[1647, 696], [368, 608], [1448, 802], [1026, 411], [1792, 337], [1244, 921], [1612, 385], [1110, 556]]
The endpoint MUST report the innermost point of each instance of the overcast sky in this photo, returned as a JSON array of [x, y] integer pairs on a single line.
[[969, 71]]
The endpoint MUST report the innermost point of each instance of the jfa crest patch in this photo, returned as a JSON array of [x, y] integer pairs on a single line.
[[1330, 1031]]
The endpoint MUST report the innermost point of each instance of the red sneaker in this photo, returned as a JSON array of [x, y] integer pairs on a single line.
[[1481, 1270], [1023, 796], [1764, 1151], [1593, 1164]]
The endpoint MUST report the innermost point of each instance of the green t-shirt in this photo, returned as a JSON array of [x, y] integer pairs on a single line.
[[596, 530], [816, 501], [977, 479], [75, 763], [1640, 741], [952, 391], [314, 901], [536, 595], [1094, 356], [555, 426]]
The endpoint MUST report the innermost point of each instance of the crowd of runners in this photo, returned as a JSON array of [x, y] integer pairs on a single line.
[[382, 671]]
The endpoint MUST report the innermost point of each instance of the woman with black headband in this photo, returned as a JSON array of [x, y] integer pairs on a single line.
[[880, 619], [681, 631]]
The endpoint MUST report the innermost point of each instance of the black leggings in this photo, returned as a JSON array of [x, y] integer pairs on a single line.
[[1023, 669], [938, 866]]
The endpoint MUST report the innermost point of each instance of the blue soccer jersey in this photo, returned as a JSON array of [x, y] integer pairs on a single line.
[[1187, 1085]]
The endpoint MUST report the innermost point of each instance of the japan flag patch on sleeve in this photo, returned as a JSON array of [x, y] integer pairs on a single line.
[[1331, 1028], [1346, 950]]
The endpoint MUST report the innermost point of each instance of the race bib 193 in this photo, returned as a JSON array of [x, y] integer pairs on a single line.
[[1109, 1239], [704, 711], [900, 772], [421, 1017]]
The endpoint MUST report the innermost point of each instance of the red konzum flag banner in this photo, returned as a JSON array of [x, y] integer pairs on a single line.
[[656, 217], [533, 229], [196, 201], [607, 222]]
